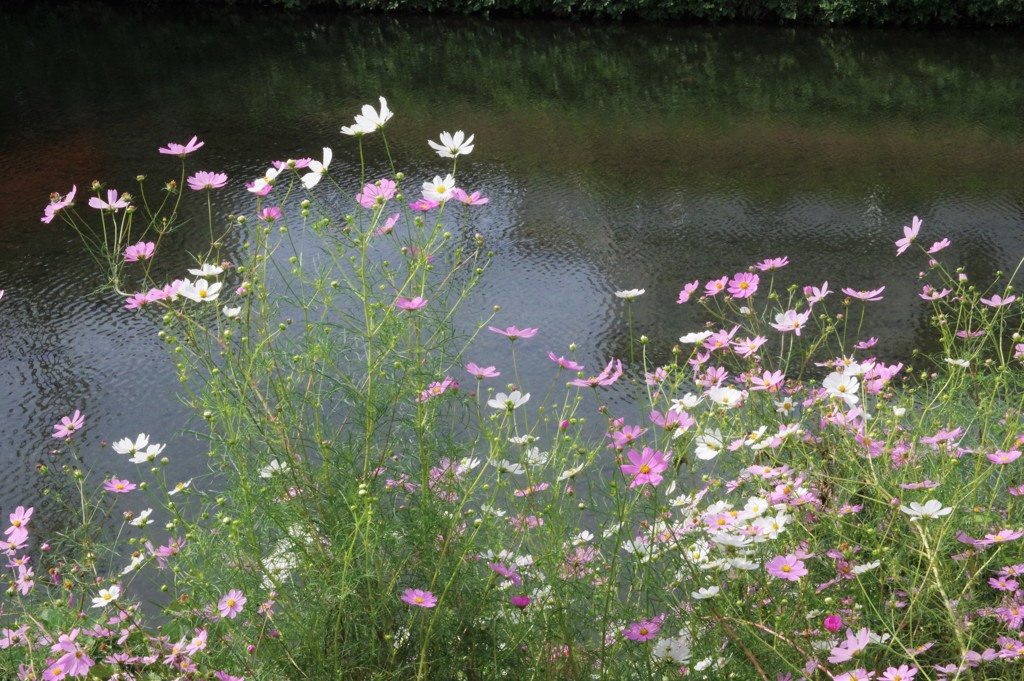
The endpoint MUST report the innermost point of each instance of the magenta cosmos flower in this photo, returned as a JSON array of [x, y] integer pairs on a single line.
[[513, 333], [230, 605], [565, 363], [204, 179], [644, 630], [182, 150], [473, 199], [688, 290], [68, 425], [646, 467], [413, 304], [786, 567], [419, 598], [119, 486]]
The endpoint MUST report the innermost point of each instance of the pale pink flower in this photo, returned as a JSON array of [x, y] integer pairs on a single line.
[[909, 234], [482, 372], [473, 199], [938, 246], [68, 425], [387, 227], [786, 567], [114, 201], [565, 363], [514, 333], [903, 673], [141, 251], [607, 376], [688, 290], [230, 605], [998, 301], [182, 150], [424, 205], [772, 263], [791, 320], [419, 598], [204, 179], [57, 203], [815, 294], [875, 294], [928, 292], [1001, 457], [119, 486], [438, 388]]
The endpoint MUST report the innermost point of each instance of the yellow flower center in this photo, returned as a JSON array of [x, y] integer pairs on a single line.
[[786, 568], [645, 469]]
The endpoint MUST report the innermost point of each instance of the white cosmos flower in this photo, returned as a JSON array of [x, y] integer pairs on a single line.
[[126, 446], [369, 119], [180, 487], [231, 312], [106, 597], [207, 270], [514, 400], [492, 511], [317, 169], [725, 397], [695, 337], [958, 362], [438, 189], [143, 519], [275, 468], [152, 451], [704, 593], [676, 650], [509, 467], [860, 569], [899, 411], [687, 401], [200, 291], [843, 386], [535, 457], [453, 145], [709, 445], [932, 508], [583, 537], [629, 294], [134, 565]]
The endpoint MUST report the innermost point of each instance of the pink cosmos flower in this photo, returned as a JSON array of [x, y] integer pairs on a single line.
[[768, 380], [909, 234], [270, 214], [864, 345], [119, 486], [716, 286], [928, 292], [938, 246], [438, 388], [114, 201], [182, 150], [204, 179], [141, 251], [607, 376], [482, 372], [688, 290], [815, 294], [377, 193], [57, 204], [19, 519], [998, 301], [513, 333], [748, 346], [876, 294], [473, 199], [644, 630], [772, 263], [646, 467], [414, 304], [1001, 457], [230, 604], [508, 573], [786, 567], [743, 285], [419, 598], [903, 673], [387, 227], [565, 363], [853, 644], [424, 205], [1003, 583], [520, 601], [999, 537], [68, 425]]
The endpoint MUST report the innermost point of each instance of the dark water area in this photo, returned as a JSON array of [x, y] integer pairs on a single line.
[[615, 157]]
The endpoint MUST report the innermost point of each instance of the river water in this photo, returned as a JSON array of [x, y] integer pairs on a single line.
[[615, 157]]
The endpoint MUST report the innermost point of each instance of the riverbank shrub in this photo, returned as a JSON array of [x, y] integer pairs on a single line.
[[773, 501]]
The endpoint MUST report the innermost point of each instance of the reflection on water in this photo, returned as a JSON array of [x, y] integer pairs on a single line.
[[615, 157]]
